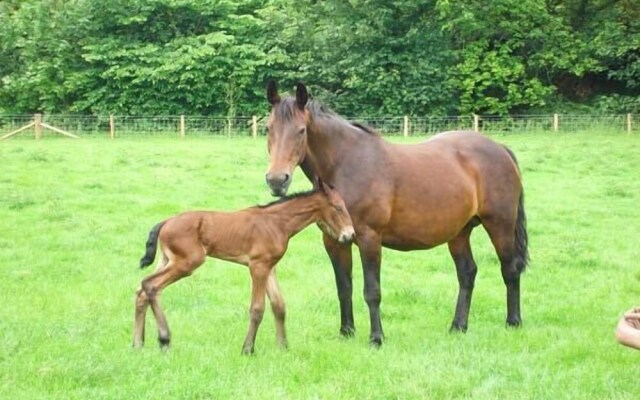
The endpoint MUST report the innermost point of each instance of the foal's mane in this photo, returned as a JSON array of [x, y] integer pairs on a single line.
[[286, 198], [286, 108]]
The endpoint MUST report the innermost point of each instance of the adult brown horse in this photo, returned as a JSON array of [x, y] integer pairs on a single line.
[[404, 197]]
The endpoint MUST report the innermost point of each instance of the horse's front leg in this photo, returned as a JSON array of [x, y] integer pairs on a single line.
[[259, 275], [370, 245], [341, 260]]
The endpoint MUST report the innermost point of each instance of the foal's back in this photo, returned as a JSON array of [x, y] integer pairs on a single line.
[[225, 235]]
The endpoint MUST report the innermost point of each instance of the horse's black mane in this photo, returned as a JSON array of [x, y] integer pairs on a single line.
[[286, 108], [286, 198]]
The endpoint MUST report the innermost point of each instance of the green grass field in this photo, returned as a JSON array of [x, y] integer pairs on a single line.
[[74, 217]]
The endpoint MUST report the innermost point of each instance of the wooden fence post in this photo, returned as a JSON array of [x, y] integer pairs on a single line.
[[254, 126], [37, 119], [112, 127], [406, 126], [629, 123], [182, 127], [476, 123], [556, 122]]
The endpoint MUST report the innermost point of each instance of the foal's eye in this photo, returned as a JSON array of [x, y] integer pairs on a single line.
[[302, 131]]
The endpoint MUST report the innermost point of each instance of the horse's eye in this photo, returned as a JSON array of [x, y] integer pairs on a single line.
[[302, 131]]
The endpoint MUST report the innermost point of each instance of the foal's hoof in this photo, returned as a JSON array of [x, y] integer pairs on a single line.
[[247, 351], [164, 343], [458, 327]]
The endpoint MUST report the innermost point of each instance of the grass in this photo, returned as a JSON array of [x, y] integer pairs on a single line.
[[74, 217]]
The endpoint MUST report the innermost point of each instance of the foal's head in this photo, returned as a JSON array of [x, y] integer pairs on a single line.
[[287, 136], [334, 220]]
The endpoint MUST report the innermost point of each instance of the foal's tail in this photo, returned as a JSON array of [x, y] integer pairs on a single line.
[[522, 239], [152, 245]]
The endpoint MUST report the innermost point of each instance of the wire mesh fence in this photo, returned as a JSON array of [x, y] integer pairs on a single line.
[[180, 126]]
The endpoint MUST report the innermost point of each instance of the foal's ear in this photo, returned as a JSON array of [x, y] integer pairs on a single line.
[[320, 185], [301, 95], [323, 187], [272, 92]]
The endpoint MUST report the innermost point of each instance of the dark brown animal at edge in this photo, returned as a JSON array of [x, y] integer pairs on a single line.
[[256, 237], [404, 197]]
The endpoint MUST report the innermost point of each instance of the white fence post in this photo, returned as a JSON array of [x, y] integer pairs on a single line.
[[629, 123], [182, 127], [254, 126], [476, 122], [556, 122], [406, 126], [112, 127]]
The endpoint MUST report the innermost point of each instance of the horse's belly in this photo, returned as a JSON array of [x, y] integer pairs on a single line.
[[403, 244]]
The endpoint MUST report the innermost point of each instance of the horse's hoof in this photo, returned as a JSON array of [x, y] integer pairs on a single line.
[[457, 327], [514, 322], [247, 351], [347, 332], [375, 341]]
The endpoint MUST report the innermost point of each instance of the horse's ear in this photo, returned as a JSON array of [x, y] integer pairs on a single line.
[[301, 95], [272, 92]]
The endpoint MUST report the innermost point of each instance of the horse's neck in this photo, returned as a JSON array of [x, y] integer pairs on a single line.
[[293, 215], [330, 143]]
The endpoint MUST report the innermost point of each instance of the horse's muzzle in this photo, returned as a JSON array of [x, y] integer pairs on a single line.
[[278, 183]]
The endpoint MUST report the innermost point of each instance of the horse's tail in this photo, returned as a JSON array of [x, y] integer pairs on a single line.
[[152, 245], [521, 239]]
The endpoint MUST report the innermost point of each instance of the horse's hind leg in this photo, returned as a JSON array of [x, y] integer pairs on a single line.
[[501, 231], [466, 269], [278, 308], [142, 303]]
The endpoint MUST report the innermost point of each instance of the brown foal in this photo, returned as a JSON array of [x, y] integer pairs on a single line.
[[256, 237]]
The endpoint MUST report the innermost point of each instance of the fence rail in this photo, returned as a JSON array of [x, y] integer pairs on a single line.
[[114, 126]]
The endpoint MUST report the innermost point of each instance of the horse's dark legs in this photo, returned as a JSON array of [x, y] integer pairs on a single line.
[[502, 236], [466, 269], [341, 260], [370, 252]]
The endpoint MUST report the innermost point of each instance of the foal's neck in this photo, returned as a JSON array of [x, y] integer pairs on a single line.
[[294, 215]]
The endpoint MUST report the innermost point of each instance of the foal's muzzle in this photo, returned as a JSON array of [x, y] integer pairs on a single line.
[[278, 183], [347, 235]]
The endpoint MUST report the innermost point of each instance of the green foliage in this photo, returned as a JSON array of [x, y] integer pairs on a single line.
[[363, 57]]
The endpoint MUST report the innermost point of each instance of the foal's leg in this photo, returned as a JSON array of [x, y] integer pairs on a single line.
[[277, 306], [466, 269], [501, 231], [370, 252], [142, 302], [341, 260], [153, 286], [259, 276]]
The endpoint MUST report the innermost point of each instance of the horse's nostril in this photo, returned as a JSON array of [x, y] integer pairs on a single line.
[[286, 177]]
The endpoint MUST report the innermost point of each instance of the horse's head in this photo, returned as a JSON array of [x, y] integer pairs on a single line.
[[287, 137], [334, 217]]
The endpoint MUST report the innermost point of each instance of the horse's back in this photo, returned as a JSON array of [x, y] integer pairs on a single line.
[[440, 184]]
